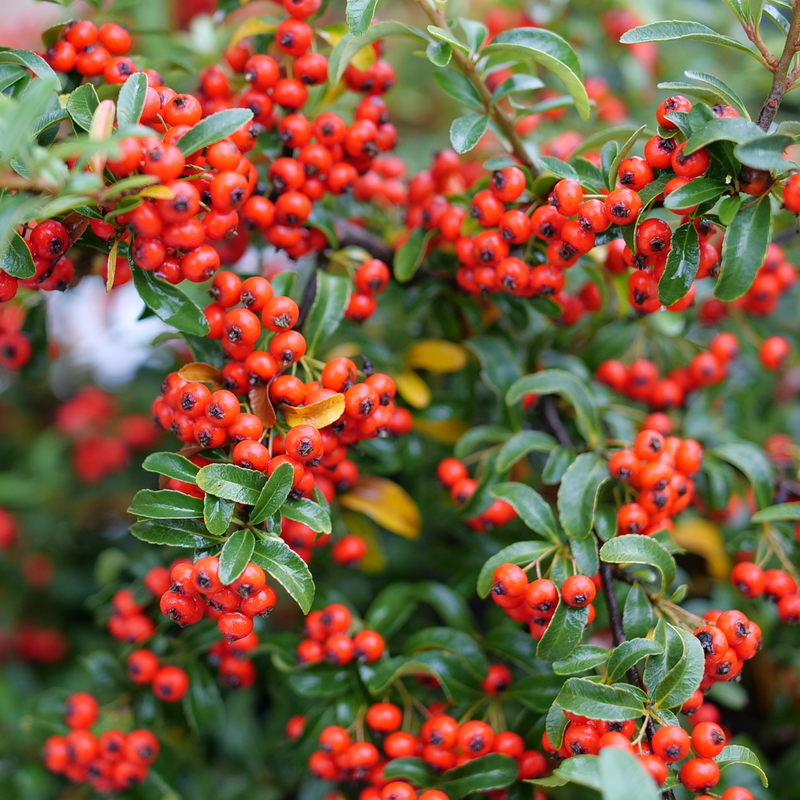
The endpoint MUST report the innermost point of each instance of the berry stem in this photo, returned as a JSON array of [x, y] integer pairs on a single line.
[[780, 76], [467, 67]]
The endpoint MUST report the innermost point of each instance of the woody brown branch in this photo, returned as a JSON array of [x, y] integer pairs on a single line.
[[781, 79]]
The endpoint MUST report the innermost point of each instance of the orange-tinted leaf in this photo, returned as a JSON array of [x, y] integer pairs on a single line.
[[262, 405], [320, 414], [436, 355], [200, 372]]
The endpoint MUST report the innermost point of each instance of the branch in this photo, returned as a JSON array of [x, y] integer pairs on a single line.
[[780, 77], [310, 292], [466, 66], [350, 234], [551, 415]]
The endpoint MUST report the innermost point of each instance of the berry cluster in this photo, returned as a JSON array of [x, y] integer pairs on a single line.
[[641, 379], [235, 669], [728, 639], [535, 602], [15, 346], [128, 622], [660, 469], [102, 439], [453, 475], [752, 581], [197, 587], [111, 762], [327, 639], [348, 550], [37, 645], [169, 683], [92, 51]]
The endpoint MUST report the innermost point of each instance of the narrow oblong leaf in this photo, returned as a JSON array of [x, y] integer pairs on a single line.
[[235, 555], [279, 560], [273, 495], [697, 191], [82, 104], [533, 510], [312, 514], [728, 129], [752, 461], [736, 754], [386, 503], [439, 53], [596, 701], [636, 549], [173, 465], [165, 504], [17, 259], [630, 653], [782, 511], [583, 770], [131, 99], [563, 634], [413, 769], [683, 262], [213, 128], [169, 303], [172, 532], [410, 255], [359, 14], [479, 775], [327, 312], [217, 514], [466, 131], [320, 414], [683, 680], [578, 494], [452, 640], [679, 29], [766, 152], [518, 553], [583, 658], [232, 483], [520, 444], [458, 87], [622, 777]]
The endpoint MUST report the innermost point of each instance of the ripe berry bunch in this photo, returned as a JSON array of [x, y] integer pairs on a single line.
[[103, 440], [111, 762], [231, 658], [535, 602], [169, 683], [453, 475], [92, 52], [751, 581], [659, 468], [128, 621], [15, 346], [728, 639], [641, 380], [198, 586], [328, 639], [347, 550], [38, 645]]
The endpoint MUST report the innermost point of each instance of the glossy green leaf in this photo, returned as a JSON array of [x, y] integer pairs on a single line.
[[413, 769], [82, 103], [439, 53], [597, 701], [725, 92], [582, 659], [587, 558], [531, 507], [683, 262], [729, 208], [231, 482], [622, 777], [320, 681], [466, 131], [557, 464], [235, 555], [630, 653], [359, 14], [563, 634], [751, 460], [499, 365], [637, 549], [327, 311], [683, 679], [728, 129], [479, 775], [309, 513], [276, 558], [583, 770], [452, 640], [217, 514], [131, 99], [410, 255], [637, 615], [213, 128], [17, 259], [446, 36], [165, 504], [558, 168], [390, 609], [700, 190], [537, 692], [552, 52], [169, 303], [172, 532], [519, 445], [478, 437], [766, 152], [626, 148], [519, 553], [678, 29], [173, 465], [476, 33], [448, 604], [459, 87], [273, 495], [579, 492], [202, 704], [566, 385], [516, 83], [36, 64], [736, 754], [782, 511]]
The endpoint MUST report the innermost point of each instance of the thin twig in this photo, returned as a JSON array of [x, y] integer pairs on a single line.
[[780, 76], [551, 414], [352, 235]]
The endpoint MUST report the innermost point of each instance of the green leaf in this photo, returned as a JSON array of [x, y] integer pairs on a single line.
[[390, 609], [700, 190], [439, 53], [728, 129], [537, 692], [320, 681], [519, 445], [327, 311], [678, 29], [598, 139], [637, 549], [415, 770], [232, 483], [637, 616], [622, 777], [202, 704], [36, 64], [563, 634], [583, 770], [17, 259], [516, 83], [782, 511], [217, 514], [557, 464], [172, 465], [613, 170], [565, 384], [552, 52], [458, 86], [751, 460], [309, 513], [172, 532], [578, 494], [277, 559], [130, 102], [476, 33], [454, 641], [480, 435], [169, 303], [410, 255], [533, 510], [766, 152], [479, 775], [729, 208], [683, 680], [587, 559], [583, 658], [273, 495], [445, 36], [558, 168], [166, 504], [235, 555], [683, 261], [596, 701], [359, 14], [347, 48], [736, 754], [725, 93], [466, 132], [447, 603], [213, 128], [630, 653], [82, 103], [518, 553], [499, 365]]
